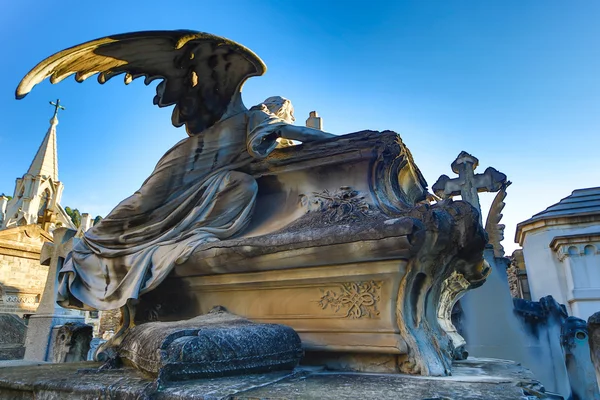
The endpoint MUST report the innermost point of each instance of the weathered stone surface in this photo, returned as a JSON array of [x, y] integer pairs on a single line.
[[109, 322], [593, 325], [70, 342], [472, 379], [22, 277], [468, 184], [264, 226], [542, 324], [357, 232], [12, 337], [215, 344], [49, 314], [575, 342], [94, 344]]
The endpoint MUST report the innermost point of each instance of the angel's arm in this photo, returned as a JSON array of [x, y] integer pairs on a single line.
[[264, 129], [302, 133]]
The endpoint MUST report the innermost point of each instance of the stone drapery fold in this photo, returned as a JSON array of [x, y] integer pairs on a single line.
[[194, 195]]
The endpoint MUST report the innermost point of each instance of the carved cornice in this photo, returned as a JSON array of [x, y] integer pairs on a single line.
[[570, 245], [23, 241], [534, 224], [20, 252]]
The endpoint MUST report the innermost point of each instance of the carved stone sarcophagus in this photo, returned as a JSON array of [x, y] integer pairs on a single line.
[[335, 237], [345, 248]]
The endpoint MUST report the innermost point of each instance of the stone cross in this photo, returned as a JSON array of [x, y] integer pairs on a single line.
[[57, 107], [468, 184], [53, 255], [50, 314]]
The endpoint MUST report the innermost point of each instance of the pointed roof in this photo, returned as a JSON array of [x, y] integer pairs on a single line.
[[45, 162]]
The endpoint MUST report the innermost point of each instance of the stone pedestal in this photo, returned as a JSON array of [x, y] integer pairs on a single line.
[[49, 314]]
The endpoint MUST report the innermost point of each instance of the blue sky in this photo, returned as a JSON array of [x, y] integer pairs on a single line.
[[515, 83]]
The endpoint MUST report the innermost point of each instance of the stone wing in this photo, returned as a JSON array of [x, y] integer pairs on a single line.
[[200, 72], [493, 227]]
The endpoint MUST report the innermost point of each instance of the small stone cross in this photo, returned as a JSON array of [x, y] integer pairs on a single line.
[[468, 184]]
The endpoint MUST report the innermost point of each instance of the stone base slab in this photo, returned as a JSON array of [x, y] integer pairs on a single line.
[[472, 379]]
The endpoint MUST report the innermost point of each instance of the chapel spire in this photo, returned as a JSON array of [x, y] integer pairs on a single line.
[[36, 199], [45, 162]]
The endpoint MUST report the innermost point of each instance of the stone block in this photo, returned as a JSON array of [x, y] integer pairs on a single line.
[[70, 342], [12, 337], [472, 379], [215, 344]]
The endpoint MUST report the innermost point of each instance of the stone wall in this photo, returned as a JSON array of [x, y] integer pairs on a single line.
[[12, 337], [512, 273], [109, 321], [22, 277]]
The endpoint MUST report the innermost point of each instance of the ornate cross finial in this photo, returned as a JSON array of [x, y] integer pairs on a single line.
[[57, 107], [468, 184]]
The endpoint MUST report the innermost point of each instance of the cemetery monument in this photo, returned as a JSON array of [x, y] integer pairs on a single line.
[[238, 255]]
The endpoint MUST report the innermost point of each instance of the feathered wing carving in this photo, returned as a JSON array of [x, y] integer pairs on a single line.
[[200, 72], [493, 227]]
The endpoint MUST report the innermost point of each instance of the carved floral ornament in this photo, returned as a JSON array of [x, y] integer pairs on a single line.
[[342, 205], [355, 299], [11, 298]]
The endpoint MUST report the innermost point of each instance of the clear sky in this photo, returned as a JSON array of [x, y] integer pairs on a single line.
[[515, 83]]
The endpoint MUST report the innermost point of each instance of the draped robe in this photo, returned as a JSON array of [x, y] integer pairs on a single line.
[[193, 196]]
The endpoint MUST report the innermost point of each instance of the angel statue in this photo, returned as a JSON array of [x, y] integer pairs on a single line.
[[196, 193]]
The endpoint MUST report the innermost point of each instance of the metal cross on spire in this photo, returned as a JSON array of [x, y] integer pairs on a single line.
[[57, 107]]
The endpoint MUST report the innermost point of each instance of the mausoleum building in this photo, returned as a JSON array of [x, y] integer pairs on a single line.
[[561, 250]]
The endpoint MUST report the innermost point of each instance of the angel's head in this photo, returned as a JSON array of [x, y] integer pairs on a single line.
[[281, 107]]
